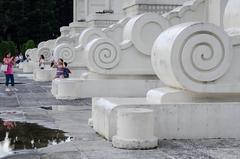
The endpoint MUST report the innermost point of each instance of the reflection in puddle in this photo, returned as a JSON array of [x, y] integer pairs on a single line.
[[16, 136], [5, 148]]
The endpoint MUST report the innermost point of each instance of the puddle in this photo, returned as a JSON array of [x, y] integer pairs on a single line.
[[18, 136], [47, 107]]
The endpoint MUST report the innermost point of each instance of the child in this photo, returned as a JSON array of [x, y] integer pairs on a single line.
[[42, 62], [60, 68], [66, 71], [9, 61]]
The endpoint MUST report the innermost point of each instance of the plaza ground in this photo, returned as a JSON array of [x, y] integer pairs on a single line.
[[72, 117]]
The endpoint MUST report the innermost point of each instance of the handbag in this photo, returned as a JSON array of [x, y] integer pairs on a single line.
[[4, 67]]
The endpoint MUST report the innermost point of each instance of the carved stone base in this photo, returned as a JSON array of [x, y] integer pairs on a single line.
[[113, 86], [28, 67], [166, 95], [172, 121], [135, 129], [20, 66], [134, 144], [44, 75]]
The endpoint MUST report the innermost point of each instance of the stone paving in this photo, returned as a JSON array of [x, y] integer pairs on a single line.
[[72, 116]]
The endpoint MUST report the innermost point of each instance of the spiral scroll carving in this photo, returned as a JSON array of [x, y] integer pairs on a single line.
[[27, 53], [90, 34], [142, 30], [192, 55], [66, 52], [46, 52], [41, 44], [33, 54], [103, 55]]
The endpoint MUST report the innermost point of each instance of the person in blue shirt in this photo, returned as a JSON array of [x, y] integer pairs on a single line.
[[66, 70]]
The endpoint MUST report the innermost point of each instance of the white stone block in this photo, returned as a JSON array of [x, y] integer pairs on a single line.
[[135, 129], [75, 88], [173, 121], [28, 67], [20, 66], [44, 75]]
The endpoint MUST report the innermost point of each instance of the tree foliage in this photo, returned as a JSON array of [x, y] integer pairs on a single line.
[[27, 45], [38, 20], [7, 47], [30, 44]]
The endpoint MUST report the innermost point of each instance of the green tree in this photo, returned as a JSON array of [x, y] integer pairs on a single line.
[[23, 48], [12, 48], [30, 44], [4, 48], [39, 20]]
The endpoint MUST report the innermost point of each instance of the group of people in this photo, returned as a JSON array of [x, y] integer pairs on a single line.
[[9, 61], [62, 67]]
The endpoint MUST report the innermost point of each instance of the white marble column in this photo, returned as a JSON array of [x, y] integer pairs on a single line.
[[108, 4], [86, 8], [216, 9], [75, 11], [78, 10], [232, 14]]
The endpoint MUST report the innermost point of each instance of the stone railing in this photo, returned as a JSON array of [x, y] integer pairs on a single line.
[[135, 7]]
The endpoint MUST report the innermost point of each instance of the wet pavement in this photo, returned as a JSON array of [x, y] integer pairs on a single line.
[[34, 104]]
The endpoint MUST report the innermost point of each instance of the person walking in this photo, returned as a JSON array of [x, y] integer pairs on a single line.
[[9, 61]]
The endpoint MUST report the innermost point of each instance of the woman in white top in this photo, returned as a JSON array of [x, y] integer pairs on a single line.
[[42, 62]]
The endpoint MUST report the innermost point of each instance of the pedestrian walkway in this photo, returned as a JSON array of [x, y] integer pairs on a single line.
[[35, 103]]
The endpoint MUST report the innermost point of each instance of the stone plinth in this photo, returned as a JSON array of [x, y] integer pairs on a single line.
[[20, 66], [28, 67], [135, 129], [103, 86], [44, 75], [173, 121]]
